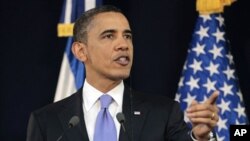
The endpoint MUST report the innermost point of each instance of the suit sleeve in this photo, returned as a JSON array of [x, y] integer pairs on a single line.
[[177, 129], [34, 132]]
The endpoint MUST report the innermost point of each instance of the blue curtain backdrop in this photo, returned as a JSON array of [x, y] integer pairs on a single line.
[[31, 53]]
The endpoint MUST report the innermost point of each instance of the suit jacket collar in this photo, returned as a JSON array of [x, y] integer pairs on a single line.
[[74, 107], [134, 108], [135, 111]]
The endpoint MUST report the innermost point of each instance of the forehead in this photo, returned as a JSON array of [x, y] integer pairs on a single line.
[[109, 20]]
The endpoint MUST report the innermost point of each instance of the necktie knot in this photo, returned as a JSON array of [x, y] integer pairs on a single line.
[[105, 101]]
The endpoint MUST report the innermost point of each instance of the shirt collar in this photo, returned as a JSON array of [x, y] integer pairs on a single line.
[[91, 94]]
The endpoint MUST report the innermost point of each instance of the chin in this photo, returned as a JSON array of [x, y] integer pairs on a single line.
[[120, 76], [125, 76]]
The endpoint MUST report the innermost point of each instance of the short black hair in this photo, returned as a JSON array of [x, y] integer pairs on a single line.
[[82, 23]]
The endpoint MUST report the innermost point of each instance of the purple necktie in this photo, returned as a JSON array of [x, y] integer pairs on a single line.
[[105, 129]]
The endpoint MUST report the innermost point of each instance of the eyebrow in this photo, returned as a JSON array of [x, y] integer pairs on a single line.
[[113, 31], [128, 31], [108, 31]]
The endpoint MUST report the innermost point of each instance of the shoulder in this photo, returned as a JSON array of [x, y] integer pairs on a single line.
[[48, 120], [58, 106], [158, 101]]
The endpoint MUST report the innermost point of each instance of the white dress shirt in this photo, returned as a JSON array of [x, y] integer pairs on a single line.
[[91, 106]]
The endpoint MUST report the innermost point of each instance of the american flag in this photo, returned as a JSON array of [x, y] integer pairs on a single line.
[[209, 66]]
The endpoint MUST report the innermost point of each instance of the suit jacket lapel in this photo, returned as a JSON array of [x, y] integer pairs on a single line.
[[72, 108], [126, 109], [133, 124], [135, 118]]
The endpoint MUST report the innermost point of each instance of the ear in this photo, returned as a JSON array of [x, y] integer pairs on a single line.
[[79, 50]]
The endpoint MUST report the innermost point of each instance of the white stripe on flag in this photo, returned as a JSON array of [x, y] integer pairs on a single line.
[[89, 4], [66, 81], [68, 11]]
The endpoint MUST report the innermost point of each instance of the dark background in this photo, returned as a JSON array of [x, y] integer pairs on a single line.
[[31, 53]]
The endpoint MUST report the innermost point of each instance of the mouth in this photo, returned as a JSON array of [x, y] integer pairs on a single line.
[[122, 60]]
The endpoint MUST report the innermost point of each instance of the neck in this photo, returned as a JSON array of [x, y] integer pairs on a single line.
[[103, 85]]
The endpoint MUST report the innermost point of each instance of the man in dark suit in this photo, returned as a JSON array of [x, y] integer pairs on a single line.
[[103, 42]]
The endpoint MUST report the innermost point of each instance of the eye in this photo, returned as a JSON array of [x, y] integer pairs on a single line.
[[128, 36], [108, 36]]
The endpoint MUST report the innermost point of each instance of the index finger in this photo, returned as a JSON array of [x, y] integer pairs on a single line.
[[212, 98]]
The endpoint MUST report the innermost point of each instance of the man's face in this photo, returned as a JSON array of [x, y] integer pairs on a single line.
[[109, 47]]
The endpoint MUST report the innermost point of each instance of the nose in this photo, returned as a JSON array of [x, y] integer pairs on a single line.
[[122, 44]]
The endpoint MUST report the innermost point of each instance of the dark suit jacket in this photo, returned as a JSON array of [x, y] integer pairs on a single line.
[[156, 119]]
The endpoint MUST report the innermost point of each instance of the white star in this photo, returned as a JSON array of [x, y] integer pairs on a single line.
[[230, 58], [222, 138], [204, 98], [229, 73], [220, 20], [177, 97], [216, 51], [240, 111], [189, 99], [224, 106], [202, 32], [185, 65], [196, 66], [205, 17], [210, 85], [212, 68], [180, 84], [222, 124], [199, 49], [193, 83], [240, 95], [219, 35], [186, 118], [239, 123], [227, 89]]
